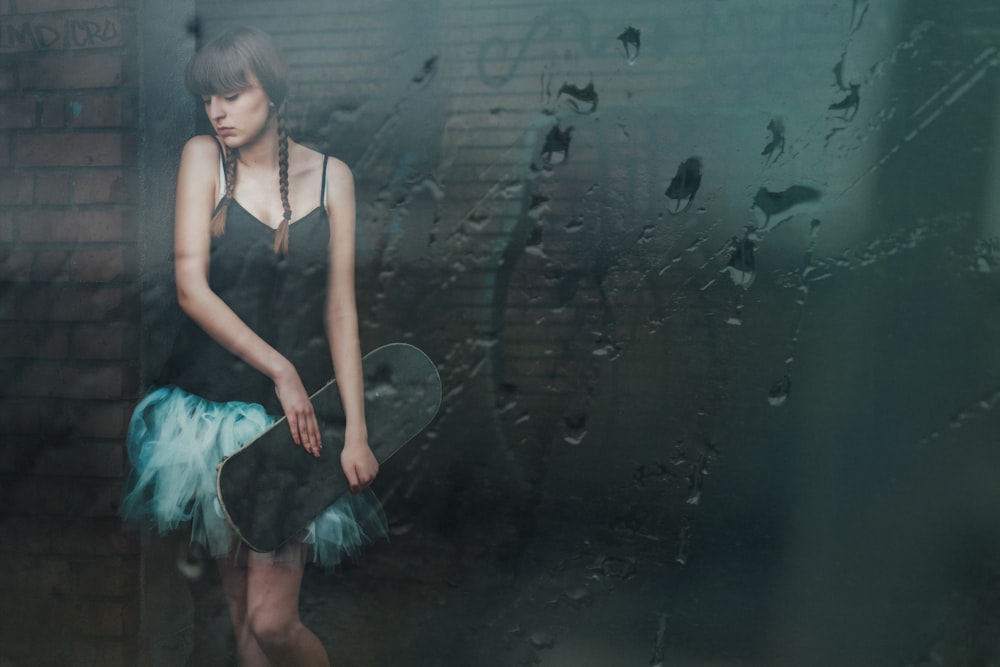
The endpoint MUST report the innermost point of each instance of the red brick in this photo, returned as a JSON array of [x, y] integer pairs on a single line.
[[58, 418], [52, 188], [72, 71], [18, 496], [47, 576], [17, 340], [88, 419], [58, 226], [99, 342], [19, 415], [24, 340], [5, 149], [54, 111], [60, 5], [83, 304], [95, 31], [83, 459], [95, 110], [8, 463], [52, 266], [72, 149], [16, 266], [99, 266], [106, 653], [80, 498], [28, 34], [94, 617], [8, 75], [100, 186], [94, 537], [50, 379], [107, 577], [53, 343], [17, 112], [16, 188], [6, 226]]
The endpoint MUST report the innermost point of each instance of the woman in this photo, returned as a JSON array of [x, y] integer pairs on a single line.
[[271, 315]]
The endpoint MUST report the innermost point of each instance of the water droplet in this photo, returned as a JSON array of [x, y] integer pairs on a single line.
[[542, 639], [630, 41], [774, 203], [776, 146], [684, 185], [579, 597], [683, 544], [742, 265], [779, 391], [426, 73], [583, 100], [191, 561], [555, 150]]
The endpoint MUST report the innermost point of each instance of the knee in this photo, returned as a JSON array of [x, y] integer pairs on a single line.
[[272, 630]]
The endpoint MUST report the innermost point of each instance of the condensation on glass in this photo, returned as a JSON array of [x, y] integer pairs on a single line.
[[712, 289]]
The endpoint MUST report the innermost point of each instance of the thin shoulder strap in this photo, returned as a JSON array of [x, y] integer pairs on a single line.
[[322, 196]]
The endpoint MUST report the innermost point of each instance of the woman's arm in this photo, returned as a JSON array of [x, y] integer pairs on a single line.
[[357, 459], [197, 192]]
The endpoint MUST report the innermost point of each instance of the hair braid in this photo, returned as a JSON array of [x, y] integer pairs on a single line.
[[281, 238], [218, 225]]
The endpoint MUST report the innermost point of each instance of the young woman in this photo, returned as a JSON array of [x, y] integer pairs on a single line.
[[264, 261]]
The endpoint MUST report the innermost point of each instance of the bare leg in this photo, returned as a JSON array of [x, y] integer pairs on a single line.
[[234, 585], [273, 616]]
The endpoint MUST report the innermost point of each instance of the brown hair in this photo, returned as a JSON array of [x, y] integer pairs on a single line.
[[220, 66]]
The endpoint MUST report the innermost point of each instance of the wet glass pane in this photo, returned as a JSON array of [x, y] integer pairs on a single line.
[[711, 287]]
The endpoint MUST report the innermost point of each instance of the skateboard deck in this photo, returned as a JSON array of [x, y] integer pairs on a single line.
[[271, 489]]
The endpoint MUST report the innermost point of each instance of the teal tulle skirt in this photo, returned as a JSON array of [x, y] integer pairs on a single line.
[[175, 440]]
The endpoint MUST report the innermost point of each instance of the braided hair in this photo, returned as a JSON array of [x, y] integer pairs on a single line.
[[219, 220], [222, 65], [281, 237]]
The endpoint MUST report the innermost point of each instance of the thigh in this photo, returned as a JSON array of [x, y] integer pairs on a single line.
[[273, 585], [234, 586]]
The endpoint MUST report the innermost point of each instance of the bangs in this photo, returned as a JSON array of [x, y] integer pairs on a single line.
[[226, 64], [211, 72]]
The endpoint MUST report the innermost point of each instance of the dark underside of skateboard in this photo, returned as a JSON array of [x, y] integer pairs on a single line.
[[271, 489]]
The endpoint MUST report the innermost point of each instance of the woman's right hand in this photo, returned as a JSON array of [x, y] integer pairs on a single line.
[[298, 410]]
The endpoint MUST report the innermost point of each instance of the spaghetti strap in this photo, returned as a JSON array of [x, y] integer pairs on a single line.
[[322, 196]]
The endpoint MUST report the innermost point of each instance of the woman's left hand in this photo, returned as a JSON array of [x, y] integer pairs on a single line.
[[359, 463]]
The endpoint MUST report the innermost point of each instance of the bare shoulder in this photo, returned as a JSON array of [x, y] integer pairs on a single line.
[[339, 177], [199, 170], [201, 148]]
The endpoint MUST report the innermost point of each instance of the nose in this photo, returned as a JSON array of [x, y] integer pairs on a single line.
[[215, 109]]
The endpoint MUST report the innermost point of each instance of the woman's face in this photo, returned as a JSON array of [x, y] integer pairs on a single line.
[[239, 117]]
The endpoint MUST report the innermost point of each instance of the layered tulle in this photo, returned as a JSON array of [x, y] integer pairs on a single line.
[[175, 441]]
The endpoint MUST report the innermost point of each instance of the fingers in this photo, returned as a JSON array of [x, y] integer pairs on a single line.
[[299, 412], [360, 478], [305, 430], [313, 443]]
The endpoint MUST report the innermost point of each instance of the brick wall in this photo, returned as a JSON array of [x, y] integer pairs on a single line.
[[68, 329]]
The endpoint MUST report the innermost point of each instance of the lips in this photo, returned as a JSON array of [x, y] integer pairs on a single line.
[[225, 131]]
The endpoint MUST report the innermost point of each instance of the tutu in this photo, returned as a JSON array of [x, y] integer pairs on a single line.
[[175, 440]]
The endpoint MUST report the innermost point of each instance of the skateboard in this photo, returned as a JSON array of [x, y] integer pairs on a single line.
[[271, 489]]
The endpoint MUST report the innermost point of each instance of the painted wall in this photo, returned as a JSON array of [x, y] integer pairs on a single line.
[[69, 330]]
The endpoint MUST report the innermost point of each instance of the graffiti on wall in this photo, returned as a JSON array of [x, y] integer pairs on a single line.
[[41, 35]]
